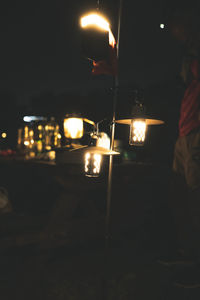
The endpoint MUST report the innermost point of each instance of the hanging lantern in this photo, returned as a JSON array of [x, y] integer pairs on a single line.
[[139, 122], [94, 159], [73, 127], [138, 129]]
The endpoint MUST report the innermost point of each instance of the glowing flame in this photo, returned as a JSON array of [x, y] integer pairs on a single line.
[[92, 164], [101, 23], [73, 128], [97, 163], [87, 157], [103, 141], [137, 132]]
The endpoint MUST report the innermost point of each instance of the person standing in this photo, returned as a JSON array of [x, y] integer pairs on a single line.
[[185, 186]]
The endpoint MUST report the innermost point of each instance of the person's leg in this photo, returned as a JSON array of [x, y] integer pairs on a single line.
[[178, 201], [178, 204], [193, 182], [190, 278]]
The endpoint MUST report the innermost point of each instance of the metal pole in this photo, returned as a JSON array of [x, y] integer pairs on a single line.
[[115, 88]]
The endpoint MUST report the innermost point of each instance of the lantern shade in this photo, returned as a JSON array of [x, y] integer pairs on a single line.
[[138, 127], [94, 149], [148, 121]]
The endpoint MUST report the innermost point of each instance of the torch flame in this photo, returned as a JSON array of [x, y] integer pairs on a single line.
[[100, 22]]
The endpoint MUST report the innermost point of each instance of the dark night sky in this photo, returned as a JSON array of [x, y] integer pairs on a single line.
[[41, 57], [40, 46]]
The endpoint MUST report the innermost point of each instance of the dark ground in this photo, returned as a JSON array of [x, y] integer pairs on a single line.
[[52, 245]]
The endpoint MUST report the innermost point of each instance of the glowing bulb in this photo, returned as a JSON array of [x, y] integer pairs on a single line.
[[162, 26], [4, 135], [73, 128], [26, 143]]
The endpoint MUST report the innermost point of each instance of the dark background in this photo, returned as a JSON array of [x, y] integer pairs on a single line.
[[44, 72]]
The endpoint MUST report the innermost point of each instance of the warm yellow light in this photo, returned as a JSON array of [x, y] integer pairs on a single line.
[[4, 135], [39, 146], [87, 157], [32, 141], [26, 143], [137, 132], [103, 141], [19, 139], [31, 132], [46, 127], [97, 20], [97, 163], [32, 154], [73, 128], [59, 136], [94, 19], [52, 155], [39, 127], [92, 164], [48, 147], [26, 131]]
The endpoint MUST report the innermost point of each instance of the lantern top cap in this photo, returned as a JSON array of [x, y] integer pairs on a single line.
[[76, 116]]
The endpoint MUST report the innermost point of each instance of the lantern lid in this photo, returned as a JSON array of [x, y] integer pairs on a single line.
[[139, 111], [78, 116]]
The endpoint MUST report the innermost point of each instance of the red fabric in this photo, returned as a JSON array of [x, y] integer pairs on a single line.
[[190, 106], [109, 67]]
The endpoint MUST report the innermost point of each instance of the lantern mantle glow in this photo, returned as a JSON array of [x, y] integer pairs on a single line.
[[137, 132], [92, 164], [73, 127]]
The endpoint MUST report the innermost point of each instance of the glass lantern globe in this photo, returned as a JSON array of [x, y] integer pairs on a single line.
[[93, 163], [73, 128], [138, 128]]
